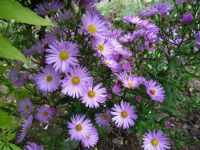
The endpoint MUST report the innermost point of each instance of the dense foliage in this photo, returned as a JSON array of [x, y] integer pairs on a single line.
[[85, 76]]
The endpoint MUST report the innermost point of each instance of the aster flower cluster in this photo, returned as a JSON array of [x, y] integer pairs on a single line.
[[90, 72]]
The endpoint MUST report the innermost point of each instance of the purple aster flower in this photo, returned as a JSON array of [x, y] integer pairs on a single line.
[[38, 47], [62, 55], [127, 67], [155, 91], [79, 127], [180, 1], [155, 140], [76, 82], [112, 64], [25, 106], [45, 113], [63, 16], [127, 38], [169, 123], [103, 119], [131, 19], [115, 34], [129, 81], [33, 146], [87, 4], [187, 18], [94, 25], [47, 7], [24, 128], [117, 90], [124, 115], [91, 139], [48, 80], [103, 47], [94, 96], [14, 72], [21, 80]]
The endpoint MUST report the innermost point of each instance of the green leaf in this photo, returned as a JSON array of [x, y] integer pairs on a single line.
[[11, 136], [14, 147], [9, 51], [7, 121], [70, 145], [11, 9]]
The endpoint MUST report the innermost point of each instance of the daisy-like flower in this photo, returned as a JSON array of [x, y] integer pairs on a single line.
[[103, 47], [103, 119], [112, 64], [25, 106], [33, 146], [124, 115], [92, 138], [79, 127], [155, 140], [24, 128], [44, 113], [76, 82], [129, 81], [62, 55], [21, 79], [155, 91], [48, 80], [94, 96], [127, 38], [131, 19], [94, 25]]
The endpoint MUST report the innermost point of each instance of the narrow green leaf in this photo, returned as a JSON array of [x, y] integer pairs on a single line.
[[14, 147], [9, 51], [11, 9], [7, 121]]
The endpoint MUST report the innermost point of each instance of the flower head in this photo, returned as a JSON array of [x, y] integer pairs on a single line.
[[155, 91], [155, 140], [25, 106], [24, 128], [91, 139], [127, 38], [131, 19], [21, 79], [48, 80], [62, 55], [94, 96], [44, 113], [79, 127], [187, 18], [94, 25], [33, 146], [103, 119], [76, 81], [103, 47], [124, 115], [129, 81]]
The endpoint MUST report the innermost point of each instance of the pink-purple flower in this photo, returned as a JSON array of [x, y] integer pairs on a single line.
[[124, 115], [76, 81], [94, 96], [79, 127], [25, 106], [103, 119], [62, 54], [155, 140], [45, 113], [48, 80], [155, 91], [33, 146]]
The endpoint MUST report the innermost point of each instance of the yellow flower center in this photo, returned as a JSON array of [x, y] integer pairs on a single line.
[[49, 78], [124, 114], [130, 84], [104, 117], [75, 80], [45, 113], [78, 127], [26, 107], [100, 47], [92, 29], [64, 55], [152, 91], [91, 94], [154, 142]]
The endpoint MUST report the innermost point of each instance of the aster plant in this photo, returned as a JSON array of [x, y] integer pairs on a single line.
[[91, 77]]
